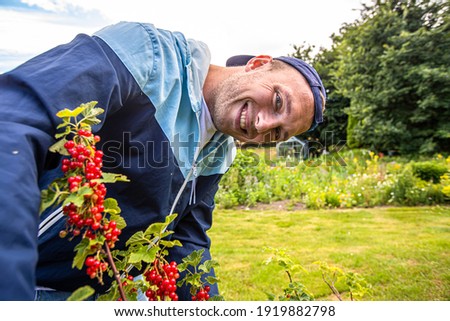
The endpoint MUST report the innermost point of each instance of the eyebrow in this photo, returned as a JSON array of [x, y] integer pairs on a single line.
[[288, 102], [288, 110]]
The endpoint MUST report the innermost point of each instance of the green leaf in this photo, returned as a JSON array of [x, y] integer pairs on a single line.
[[112, 178], [211, 279], [166, 233], [121, 264], [64, 133], [170, 243], [89, 108], [96, 111], [59, 148], [78, 197], [82, 252], [111, 206], [143, 254], [90, 114], [65, 123], [90, 121], [120, 221], [170, 218], [182, 267], [194, 258], [137, 237], [71, 113], [208, 265], [154, 229], [296, 268], [158, 228], [131, 294], [194, 280], [81, 294], [112, 295], [50, 196]]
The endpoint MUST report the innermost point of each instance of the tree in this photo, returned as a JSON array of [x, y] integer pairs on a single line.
[[334, 128], [393, 66]]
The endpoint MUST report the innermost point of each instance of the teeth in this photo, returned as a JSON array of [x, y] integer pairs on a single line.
[[243, 122]]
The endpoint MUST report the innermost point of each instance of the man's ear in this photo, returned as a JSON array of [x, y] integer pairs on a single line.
[[257, 62]]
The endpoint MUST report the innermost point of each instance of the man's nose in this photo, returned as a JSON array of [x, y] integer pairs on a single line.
[[265, 122]]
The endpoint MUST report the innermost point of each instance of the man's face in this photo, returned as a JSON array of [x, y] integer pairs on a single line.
[[263, 105]]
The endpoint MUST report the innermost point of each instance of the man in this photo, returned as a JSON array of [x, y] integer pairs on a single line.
[[169, 123]]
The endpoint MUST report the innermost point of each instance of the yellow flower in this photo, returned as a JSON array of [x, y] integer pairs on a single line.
[[446, 190]]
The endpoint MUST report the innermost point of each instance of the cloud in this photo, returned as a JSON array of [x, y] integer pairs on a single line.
[[58, 6], [228, 27], [29, 29], [14, 4]]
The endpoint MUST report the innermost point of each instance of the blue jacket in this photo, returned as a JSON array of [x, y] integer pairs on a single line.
[[149, 81]]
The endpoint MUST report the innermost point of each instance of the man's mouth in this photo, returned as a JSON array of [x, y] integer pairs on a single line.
[[243, 118]]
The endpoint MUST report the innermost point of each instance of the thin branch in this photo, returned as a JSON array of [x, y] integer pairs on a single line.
[[116, 272], [335, 291], [290, 280]]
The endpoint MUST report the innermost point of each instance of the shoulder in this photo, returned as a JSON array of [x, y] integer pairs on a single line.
[[146, 51]]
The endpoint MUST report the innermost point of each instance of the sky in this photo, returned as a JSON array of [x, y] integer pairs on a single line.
[[230, 27]]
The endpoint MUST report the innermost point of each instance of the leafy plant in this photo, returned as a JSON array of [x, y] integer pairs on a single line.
[[195, 271], [353, 283], [429, 171], [295, 291]]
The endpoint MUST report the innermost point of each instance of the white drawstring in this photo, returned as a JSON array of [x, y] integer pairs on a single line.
[[193, 197]]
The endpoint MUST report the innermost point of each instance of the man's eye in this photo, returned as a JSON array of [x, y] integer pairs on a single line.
[[278, 102], [277, 133]]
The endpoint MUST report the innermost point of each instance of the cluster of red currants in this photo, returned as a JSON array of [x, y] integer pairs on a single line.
[[163, 279], [82, 169], [202, 294], [94, 266]]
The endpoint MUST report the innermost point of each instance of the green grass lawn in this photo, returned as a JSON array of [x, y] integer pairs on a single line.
[[404, 253]]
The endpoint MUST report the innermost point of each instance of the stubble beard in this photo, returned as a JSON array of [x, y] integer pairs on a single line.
[[225, 95]]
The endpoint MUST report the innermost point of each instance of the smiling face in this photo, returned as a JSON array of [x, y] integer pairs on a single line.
[[265, 101]]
